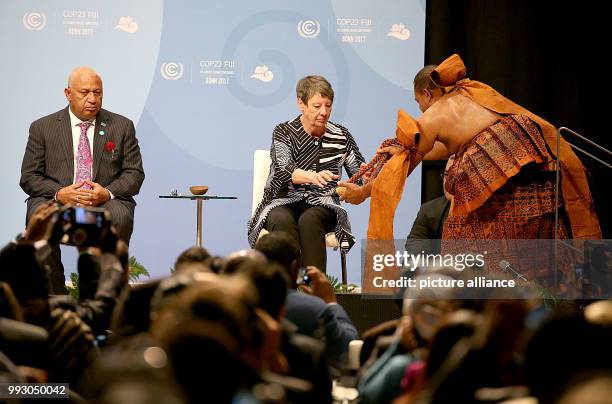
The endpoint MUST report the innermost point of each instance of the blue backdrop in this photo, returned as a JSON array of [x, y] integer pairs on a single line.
[[205, 84]]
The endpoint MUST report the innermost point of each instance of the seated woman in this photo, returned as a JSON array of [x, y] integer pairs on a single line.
[[308, 154]]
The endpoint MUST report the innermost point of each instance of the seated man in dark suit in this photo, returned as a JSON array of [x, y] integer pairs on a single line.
[[425, 235], [316, 312], [426, 230], [84, 155]]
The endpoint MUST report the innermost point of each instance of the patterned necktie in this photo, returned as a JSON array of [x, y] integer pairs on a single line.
[[84, 159]]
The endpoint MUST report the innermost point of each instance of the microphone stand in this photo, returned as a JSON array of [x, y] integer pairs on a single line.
[[557, 180], [515, 274]]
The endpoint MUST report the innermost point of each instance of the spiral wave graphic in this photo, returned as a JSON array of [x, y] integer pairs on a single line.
[[282, 63]]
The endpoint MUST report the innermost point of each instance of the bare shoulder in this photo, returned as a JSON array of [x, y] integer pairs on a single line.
[[435, 118]]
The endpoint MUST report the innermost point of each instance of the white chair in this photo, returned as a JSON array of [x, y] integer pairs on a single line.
[[261, 170], [353, 361]]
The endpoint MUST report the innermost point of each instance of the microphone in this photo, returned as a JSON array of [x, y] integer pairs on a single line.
[[506, 267]]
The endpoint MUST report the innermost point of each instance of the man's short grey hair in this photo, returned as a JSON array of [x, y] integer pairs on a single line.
[[78, 70], [310, 86]]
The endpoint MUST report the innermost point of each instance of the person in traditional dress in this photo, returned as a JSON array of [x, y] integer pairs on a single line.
[[502, 179], [308, 153]]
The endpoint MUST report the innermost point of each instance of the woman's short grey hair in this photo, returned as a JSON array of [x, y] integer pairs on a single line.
[[310, 86]]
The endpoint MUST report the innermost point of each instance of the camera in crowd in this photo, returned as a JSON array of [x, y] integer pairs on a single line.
[[84, 226], [303, 278]]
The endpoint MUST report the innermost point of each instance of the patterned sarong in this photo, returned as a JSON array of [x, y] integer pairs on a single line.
[[503, 189]]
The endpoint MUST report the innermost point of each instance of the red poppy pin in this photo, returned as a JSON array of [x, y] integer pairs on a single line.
[[110, 147]]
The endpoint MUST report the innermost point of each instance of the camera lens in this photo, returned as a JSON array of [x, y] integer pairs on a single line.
[[79, 237]]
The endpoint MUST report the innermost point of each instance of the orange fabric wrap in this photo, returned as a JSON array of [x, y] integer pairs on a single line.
[[388, 186], [449, 72], [576, 194]]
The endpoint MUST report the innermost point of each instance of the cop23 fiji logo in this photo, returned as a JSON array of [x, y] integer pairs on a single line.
[[309, 28], [34, 21], [172, 70]]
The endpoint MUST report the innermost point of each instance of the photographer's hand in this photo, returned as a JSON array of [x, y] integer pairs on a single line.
[[320, 286], [97, 194], [37, 228]]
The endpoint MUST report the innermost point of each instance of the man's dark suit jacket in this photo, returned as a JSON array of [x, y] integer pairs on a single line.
[[48, 163], [427, 228], [311, 315]]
